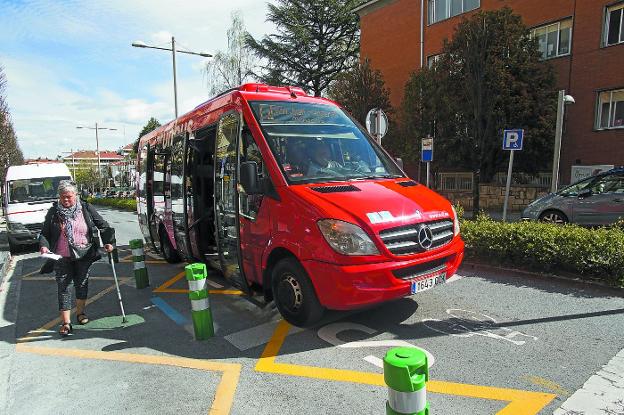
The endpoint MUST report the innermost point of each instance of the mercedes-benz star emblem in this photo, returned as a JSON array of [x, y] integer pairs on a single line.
[[425, 237]]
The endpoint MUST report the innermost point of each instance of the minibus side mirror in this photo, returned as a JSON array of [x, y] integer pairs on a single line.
[[249, 177], [399, 161]]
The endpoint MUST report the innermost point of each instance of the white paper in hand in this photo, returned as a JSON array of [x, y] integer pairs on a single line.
[[50, 255]]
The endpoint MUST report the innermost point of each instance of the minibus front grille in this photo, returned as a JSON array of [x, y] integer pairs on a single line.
[[404, 240], [336, 189], [407, 184], [426, 268]]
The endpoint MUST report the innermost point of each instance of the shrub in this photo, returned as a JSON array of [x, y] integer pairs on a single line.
[[589, 253], [125, 204]]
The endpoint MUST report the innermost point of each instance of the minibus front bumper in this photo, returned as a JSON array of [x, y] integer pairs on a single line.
[[20, 234], [340, 287]]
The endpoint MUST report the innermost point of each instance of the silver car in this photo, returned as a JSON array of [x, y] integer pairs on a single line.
[[597, 200]]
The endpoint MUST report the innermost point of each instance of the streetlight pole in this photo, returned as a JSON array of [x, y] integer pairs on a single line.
[[562, 100], [140, 44], [97, 147]]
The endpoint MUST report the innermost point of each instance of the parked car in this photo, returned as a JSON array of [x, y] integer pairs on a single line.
[[595, 201]]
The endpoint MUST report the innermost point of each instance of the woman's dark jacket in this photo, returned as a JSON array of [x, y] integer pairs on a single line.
[[52, 229]]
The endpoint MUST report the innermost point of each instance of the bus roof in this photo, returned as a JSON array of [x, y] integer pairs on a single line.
[[250, 91], [37, 170]]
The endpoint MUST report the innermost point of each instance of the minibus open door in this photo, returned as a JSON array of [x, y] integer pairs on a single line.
[[226, 199]]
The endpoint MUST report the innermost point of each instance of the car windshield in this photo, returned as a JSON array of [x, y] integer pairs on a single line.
[[576, 188], [316, 143], [34, 190]]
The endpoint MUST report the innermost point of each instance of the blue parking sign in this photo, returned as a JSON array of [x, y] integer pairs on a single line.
[[512, 139]]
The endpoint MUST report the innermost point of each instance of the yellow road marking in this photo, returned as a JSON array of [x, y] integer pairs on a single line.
[[164, 288], [548, 384], [34, 333], [520, 402], [169, 283], [224, 395], [30, 273]]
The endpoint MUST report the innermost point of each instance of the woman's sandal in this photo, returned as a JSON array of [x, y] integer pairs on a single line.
[[65, 329], [82, 318]]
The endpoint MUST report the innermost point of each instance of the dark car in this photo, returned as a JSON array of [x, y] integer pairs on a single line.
[[597, 200]]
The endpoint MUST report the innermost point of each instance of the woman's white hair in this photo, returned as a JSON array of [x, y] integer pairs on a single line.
[[67, 186]]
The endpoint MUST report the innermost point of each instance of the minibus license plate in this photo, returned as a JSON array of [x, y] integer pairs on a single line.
[[427, 283]]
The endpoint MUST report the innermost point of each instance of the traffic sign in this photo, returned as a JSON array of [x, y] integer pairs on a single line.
[[377, 123], [512, 139], [427, 149]]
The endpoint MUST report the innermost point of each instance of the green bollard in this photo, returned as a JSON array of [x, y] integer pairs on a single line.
[[406, 373], [200, 304], [138, 258]]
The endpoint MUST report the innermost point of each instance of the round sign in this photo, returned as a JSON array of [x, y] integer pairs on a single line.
[[377, 123]]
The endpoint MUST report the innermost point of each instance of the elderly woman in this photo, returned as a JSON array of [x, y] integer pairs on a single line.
[[70, 230]]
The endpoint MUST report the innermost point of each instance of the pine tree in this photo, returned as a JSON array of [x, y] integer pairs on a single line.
[[315, 41], [10, 152]]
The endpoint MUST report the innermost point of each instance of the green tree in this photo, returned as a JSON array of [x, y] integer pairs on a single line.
[[315, 41], [10, 152], [86, 176], [361, 89], [235, 66], [151, 125], [489, 78]]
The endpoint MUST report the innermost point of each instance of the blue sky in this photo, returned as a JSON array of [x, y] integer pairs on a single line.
[[70, 63]]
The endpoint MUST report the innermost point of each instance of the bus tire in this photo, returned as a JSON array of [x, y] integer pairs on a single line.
[[167, 251], [294, 294]]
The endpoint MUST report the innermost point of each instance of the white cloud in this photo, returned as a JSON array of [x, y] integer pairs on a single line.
[[70, 63]]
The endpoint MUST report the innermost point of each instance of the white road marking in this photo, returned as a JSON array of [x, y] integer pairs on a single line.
[[603, 393], [213, 284], [256, 336], [329, 333]]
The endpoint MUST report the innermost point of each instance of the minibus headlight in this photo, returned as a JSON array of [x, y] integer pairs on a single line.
[[455, 222], [346, 238]]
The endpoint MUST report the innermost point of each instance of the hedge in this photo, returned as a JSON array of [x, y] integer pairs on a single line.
[[596, 254], [125, 204]]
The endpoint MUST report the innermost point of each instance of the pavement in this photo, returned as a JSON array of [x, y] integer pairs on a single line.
[[498, 343]]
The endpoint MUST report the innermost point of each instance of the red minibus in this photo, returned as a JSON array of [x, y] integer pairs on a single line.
[[289, 197]]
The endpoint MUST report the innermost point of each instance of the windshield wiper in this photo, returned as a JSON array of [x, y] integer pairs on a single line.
[[374, 176]]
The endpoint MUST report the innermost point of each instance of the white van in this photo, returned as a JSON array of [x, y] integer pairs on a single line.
[[29, 191]]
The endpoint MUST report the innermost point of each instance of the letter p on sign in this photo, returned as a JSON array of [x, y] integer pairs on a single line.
[[512, 139]]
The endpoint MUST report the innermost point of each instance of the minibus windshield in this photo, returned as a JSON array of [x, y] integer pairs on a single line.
[[317, 142], [34, 190]]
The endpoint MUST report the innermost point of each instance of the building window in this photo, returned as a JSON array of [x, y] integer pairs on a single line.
[[554, 39], [610, 109], [443, 9], [432, 60], [614, 25]]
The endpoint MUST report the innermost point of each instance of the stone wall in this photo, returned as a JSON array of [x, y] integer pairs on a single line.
[[492, 197]]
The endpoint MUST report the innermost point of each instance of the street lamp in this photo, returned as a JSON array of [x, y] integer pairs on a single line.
[[562, 100], [140, 44], [97, 146]]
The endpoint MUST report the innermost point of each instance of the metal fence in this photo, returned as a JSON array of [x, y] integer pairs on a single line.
[[463, 181]]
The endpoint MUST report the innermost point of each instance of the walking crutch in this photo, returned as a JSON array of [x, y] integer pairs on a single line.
[[112, 264]]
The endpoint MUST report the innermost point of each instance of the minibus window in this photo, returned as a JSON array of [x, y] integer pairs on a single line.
[[250, 204], [319, 142], [34, 190]]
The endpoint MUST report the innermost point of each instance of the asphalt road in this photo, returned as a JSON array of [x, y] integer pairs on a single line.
[[500, 343]]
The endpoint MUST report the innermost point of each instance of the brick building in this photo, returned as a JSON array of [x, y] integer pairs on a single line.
[[583, 39]]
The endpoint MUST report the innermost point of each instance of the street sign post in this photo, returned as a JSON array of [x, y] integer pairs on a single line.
[[426, 154], [377, 123], [512, 142]]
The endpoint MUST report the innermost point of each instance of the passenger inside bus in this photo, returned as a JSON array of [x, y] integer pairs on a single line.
[[297, 161]]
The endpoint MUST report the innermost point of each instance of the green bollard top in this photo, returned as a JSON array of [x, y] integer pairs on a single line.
[[195, 271], [136, 243], [405, 369]]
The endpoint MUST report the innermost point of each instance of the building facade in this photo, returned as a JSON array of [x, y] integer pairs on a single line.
[[583, 39]]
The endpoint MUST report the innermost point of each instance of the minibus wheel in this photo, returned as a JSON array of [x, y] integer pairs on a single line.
[[167, 251], [294, 294]]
